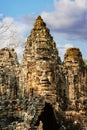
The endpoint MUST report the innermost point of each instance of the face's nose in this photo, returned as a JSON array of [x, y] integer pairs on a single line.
[[44, 78]]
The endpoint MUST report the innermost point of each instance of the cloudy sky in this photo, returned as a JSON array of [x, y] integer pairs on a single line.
[[66, 19]]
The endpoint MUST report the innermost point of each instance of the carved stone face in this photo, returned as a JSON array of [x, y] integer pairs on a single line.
[[43, 76]]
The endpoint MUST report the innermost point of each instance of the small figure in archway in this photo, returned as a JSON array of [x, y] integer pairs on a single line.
[[40, 127]]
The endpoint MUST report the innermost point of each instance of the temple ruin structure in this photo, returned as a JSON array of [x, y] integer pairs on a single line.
[[42, 92]]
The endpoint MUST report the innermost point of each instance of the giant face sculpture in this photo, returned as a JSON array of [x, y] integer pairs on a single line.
[[43, 78]]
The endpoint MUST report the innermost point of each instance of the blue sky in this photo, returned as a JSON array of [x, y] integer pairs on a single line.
[[24, 7], [66, 19]]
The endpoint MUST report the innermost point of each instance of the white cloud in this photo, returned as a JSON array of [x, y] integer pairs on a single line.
[[69, 17], [62, 49], [68, 20], [28, 19], [12, 34]]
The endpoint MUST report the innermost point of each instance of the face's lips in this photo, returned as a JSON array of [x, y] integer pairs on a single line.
[[45, 82]]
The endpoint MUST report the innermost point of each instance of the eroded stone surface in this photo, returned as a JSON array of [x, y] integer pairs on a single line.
[[8, 73], [40, 61], [76, 79], [75, 75], [42, 93]]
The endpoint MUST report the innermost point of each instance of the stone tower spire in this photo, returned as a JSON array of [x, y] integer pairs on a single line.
[[74, 66], [39, 23], [40, 60], [40, 93]]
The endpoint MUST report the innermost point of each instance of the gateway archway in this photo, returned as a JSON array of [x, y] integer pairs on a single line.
[[48, 119]]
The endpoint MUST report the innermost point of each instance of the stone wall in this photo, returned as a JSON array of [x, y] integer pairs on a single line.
[[8, 74]]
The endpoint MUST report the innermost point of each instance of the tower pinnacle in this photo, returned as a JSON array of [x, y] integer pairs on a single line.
[[39, 23]]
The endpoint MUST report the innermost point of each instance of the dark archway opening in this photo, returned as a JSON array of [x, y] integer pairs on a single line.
[[48, 118]]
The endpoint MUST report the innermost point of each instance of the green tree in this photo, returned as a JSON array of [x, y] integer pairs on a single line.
[[85, 63]]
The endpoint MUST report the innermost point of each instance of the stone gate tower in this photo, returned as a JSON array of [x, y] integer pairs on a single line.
[[40, 62], [42, 93], [39, 74]]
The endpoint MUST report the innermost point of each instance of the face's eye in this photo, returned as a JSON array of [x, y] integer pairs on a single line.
[[49, 73], [39, 73]]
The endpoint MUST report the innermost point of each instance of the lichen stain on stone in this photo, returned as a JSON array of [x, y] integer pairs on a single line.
[[42, 92]]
